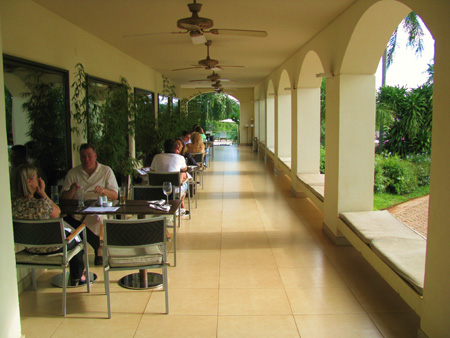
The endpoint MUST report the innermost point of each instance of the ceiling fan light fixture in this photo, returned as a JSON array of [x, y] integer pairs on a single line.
[[197, 38]]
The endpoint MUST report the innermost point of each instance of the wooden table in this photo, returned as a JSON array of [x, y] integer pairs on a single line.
[[143, 279]]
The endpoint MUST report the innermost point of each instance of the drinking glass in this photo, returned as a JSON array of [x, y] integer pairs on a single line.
[[123, 196], [167, 190], [55, 194], [81, 198]]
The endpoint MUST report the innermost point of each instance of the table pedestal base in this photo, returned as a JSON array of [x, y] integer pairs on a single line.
[[58, 280], [142, 280]]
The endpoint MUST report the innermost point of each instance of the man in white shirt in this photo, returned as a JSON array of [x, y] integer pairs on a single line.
[[170, 161], [96, 180]]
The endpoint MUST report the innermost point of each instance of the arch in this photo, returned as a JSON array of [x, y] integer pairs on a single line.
[[358, 60], [308, 115], [270, 117], [284, 119], [311, 66]]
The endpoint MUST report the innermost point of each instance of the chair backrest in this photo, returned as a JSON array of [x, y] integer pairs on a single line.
[[198, 157], [45, 232], [148, 193], [158, 178], [141, 232]]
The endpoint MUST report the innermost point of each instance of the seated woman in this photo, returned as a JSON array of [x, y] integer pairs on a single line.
[[182, 150], [25, 183], [196, 145], [171, 161]]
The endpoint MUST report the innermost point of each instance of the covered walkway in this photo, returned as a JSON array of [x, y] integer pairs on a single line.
[[253, 262]]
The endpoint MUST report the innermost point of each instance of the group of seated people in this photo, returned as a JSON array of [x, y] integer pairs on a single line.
[[30, 201]]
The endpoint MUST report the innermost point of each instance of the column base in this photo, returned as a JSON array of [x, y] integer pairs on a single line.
[[337, 240]]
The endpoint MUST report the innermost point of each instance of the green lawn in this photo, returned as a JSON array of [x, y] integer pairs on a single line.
[[383, 201]]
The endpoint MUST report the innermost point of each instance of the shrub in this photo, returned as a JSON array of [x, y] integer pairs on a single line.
[[395, 175], [381, 182]]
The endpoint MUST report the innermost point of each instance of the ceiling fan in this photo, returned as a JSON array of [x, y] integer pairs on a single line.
[[197, 26], [213, 78], [208, 63]]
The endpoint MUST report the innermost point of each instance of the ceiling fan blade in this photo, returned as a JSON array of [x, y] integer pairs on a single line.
[[198, 67], [149, 34], [240, 32], [229, 66]]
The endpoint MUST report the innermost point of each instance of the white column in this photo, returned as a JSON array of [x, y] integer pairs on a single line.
[[349, 147], [308, 131], [435, 320]]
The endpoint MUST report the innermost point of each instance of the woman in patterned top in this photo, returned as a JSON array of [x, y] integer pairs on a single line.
[[25, 184]]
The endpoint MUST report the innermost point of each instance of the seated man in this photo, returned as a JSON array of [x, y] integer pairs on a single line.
[[96, 180], [186, 137], [170, 161]]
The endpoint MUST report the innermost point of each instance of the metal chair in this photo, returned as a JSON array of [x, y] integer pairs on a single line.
[[200, 158], [158, 178], [150, 193], [48, 233], [135, 245]]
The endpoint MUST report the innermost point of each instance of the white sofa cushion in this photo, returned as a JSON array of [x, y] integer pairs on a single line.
[[406, 256], [369, 225]]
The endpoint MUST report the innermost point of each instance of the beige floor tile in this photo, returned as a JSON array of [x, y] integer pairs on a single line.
[[337, 326], [245, 240], [257, 326], [249, 258], [253, 302], [242, 278], [323, 301], [298, 257], [198, 241], [40, 327], [121, 325], [202, 258], [317, 277], [190, 277], [397, 325], [186, 302], [171, 326]]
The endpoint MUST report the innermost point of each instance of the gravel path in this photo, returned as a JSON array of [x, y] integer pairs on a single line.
[[413, 213]]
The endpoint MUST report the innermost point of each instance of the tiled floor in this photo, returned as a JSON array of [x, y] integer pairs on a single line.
[[252, 262]]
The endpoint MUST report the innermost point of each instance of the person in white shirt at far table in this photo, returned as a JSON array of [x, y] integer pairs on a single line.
[[171, 161], [96, 180]]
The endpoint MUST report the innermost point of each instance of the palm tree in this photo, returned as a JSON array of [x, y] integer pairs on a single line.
[[412, 26]]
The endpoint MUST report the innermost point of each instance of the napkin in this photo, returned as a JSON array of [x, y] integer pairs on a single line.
[[160, 207], [157, 202]]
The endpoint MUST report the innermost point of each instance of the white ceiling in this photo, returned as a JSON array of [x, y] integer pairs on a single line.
[[289, 24]]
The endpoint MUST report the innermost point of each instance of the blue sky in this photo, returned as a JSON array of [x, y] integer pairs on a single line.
[[408, 69]]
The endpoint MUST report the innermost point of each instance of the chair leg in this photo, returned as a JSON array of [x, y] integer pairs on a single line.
[[86, 264], [189, 203], [166, 288], [64, 295], [174, 241], [107, 292]]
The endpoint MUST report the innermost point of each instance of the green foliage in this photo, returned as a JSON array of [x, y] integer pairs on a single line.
[[322, 110], [401, 176], [145, 125], [8, 114], [410, 119], [79, 100], [47, 123], [322, 159], [114, 130], [108, 123]]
